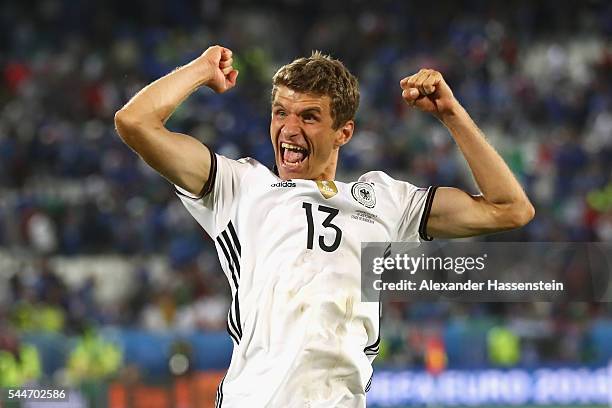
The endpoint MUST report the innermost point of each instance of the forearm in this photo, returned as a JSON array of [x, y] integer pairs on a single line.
[[495, 180], [157, 101]]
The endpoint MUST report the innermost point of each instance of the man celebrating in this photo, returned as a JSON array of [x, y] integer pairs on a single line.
[[289, 241]]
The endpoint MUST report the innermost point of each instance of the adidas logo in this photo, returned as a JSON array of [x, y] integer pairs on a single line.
[[284, 183]]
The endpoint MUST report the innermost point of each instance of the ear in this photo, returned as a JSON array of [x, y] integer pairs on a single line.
[[344, 134]]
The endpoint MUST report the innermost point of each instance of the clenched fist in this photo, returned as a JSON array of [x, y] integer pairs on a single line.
[[219, 72], [427, 91]]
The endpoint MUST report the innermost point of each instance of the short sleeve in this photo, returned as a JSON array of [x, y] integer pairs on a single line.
[[214, 207], [417, 206], [411, 205]]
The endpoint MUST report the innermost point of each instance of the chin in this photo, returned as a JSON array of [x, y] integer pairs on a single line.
[[287, 175], [292, 171]]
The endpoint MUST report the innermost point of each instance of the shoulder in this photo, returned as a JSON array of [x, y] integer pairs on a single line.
[[245, 162], [381, 180], [242, 165], [375, 176], [379, 177]]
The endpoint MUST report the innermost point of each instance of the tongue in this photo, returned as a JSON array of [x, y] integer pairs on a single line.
[[293, 157]]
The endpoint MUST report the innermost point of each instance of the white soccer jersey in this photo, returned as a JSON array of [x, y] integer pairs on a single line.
[[291, 253]]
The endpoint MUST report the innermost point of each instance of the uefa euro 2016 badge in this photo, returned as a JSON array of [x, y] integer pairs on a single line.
[[364, 194], [328, 189]]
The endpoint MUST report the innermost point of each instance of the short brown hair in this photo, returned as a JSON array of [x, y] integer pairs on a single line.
[[321, 75]]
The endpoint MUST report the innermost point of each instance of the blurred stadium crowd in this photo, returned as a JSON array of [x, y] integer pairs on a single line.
[[536, 76]]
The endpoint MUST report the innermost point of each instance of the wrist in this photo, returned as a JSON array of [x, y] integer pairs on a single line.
[[202, 70], [452, 113]]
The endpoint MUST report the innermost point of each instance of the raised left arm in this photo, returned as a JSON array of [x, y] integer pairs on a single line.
[[454, 213]]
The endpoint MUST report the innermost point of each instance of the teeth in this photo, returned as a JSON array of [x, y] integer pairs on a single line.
[[293, 147]]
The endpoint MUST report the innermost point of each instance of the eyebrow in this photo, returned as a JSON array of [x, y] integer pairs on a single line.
[[313, 109]]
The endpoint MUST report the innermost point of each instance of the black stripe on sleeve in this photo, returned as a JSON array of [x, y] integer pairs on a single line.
[[210, 183], [425, 217], [212, 175]]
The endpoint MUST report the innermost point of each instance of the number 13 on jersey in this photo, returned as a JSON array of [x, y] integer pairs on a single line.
[[327, 223]]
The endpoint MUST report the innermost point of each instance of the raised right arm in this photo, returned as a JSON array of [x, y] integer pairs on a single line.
[[180, 158]]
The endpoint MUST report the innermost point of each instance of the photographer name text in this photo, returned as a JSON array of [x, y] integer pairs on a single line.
[[469, 285]]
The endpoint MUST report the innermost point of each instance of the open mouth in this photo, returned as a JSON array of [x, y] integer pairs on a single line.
[[293, 155]]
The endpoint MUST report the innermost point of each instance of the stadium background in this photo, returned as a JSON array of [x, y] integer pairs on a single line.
[[107, 284]]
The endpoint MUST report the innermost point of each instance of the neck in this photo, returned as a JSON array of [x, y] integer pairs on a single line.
[[329, 173]]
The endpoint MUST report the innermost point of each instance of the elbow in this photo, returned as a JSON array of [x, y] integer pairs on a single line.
[[123, 123], [520, 214], [128, 125]]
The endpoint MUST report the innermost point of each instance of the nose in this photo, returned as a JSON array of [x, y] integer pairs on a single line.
[[291, 126]]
